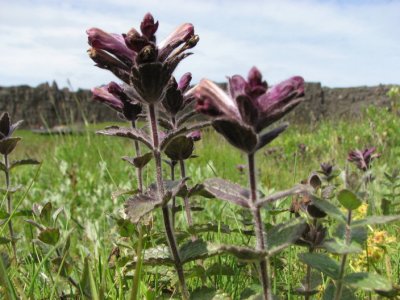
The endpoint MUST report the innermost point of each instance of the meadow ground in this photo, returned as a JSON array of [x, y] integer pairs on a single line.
[[79, 173]]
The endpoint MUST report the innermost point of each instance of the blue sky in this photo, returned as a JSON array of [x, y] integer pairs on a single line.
[[339, 43]]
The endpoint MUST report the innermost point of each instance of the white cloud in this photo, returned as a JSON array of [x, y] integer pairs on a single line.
[[340, 43]]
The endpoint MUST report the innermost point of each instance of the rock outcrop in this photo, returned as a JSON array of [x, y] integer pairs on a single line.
[[47, 105]]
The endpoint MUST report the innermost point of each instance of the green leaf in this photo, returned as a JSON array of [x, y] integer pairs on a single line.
[[285, 234], [322, 263], [348, 199], [4, 240], [4, 214], [228, 191], [45, 213], [367, 281], [139, 161], [125, 227], [329, 209], [23, 162], [140, 205], [206, 293], [337, 246], [66, 268], [359, 234], [49, 236], [347, 293], [374, 220], [220, 269]]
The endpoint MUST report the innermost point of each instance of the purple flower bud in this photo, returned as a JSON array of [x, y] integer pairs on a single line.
[[102, 94], [113, 43], [184, 82], [363, 159], [135, 41], [148, 27]]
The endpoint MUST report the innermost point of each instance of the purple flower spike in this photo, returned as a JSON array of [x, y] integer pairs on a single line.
[[363, 159], [249, 108], [113, 43], [148, 27]]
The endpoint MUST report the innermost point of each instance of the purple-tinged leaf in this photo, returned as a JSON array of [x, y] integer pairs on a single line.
[[140, 161], [180, 148], [228, 191], [5, 124], [11, 189], [140, 205], [8, 144], [266, 138], [298, 189], [284, 235], [131, 133], [181, 131], [185, 117], [24, 162], [237, 134]]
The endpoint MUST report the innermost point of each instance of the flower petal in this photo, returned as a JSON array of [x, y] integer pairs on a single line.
[[113, 43], [179, 36], [236, 86], [185, 81], [103, 95], [216, 98]]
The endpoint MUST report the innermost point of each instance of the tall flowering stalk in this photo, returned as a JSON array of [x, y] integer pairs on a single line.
[[241, 116], [147, 67]]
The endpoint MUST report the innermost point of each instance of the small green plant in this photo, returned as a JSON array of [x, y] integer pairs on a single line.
[[7, 146]]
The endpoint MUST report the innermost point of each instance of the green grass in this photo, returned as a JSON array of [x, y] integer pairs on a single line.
[[79, 173]]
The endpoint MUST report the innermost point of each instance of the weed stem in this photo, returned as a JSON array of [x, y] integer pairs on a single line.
[[259, 230]]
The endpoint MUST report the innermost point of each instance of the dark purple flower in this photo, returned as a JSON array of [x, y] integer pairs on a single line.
[[136, 59], [112, 43], [250, 106], [326, 169], [363, 159], [114, 96]]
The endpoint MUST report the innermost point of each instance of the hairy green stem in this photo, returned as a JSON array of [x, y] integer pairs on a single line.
[[9, 205], [259, 230], [186, 199], [339, 282], [173, 207], [166, 216], [138, 269]]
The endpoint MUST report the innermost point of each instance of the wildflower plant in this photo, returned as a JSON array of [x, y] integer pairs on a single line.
[[241, 117], [146, 67], [8, 143]]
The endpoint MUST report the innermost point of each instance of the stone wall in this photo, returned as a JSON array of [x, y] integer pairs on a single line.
[[46, 105]]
